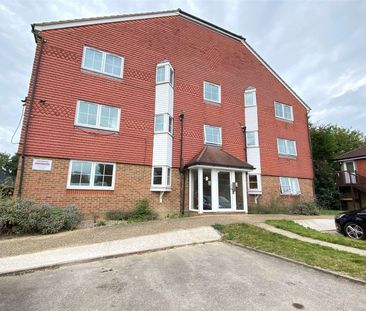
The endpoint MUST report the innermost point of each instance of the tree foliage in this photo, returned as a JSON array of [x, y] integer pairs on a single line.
[[8, 166], [328, 141]]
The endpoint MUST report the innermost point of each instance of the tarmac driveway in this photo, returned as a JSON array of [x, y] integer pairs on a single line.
[[214, 276]]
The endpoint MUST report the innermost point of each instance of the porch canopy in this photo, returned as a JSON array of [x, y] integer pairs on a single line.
[[214, 156]]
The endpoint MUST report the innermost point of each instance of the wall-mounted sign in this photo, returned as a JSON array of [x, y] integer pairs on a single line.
[[42, 165]]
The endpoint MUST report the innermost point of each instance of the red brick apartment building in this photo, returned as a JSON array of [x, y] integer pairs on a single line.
[[163, 106]]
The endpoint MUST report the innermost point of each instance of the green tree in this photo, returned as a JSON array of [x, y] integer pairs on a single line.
[[328, 141], [8, 166]]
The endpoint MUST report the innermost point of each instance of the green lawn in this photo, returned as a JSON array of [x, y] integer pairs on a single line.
[[330, 212], [312, 254], [292, 226]]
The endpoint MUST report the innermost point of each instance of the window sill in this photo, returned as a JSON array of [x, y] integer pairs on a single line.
[[90, 188], [97, 129], [98, 73], [289, 157], [285, 120], [254, 191], [250, 106], [290, 195], [253, 146], [161, 188]]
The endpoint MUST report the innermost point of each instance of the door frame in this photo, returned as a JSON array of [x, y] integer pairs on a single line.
[[215, 189]]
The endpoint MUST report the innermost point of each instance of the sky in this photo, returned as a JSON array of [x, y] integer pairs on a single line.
[[317, 47]]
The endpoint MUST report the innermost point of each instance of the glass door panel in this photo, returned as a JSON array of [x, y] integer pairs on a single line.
[[207, 200], [239, 190], [195, 189], [224, 190]]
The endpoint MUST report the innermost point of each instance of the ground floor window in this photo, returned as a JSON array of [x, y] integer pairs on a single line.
[[91, 175], [290, 186], [161, 178]]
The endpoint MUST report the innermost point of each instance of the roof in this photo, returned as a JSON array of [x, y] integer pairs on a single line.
[[37, 27], [353, 154], [214, 156]]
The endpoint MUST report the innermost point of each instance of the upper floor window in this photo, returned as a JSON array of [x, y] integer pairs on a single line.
[[286, 147], [91, 175], [103, 62], [164, 73], [212, 135], [290, 186], [97, 116], [211, 92], [252, 139], [250, 98], [163, 123], [284, 111]]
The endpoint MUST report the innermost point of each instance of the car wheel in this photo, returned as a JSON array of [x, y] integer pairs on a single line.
[[354, 231]]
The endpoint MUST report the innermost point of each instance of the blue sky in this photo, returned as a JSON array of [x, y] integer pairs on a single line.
[[317, 47]]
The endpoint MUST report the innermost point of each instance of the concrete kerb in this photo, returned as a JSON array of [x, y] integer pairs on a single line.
[[56, 258]]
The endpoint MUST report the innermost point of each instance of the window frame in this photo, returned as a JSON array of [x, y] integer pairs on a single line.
[[257, 180], [99, 112], [256, 142], [283, 111], [153, 176], [205, 138], [287, 154], [204, 93], [92, 175], [254, 91], [168, 74], [292, 191], [168, 123], [104, 56]]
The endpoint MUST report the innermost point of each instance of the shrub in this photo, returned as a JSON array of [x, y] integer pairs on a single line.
[[142, 212], [305, 208], [24, 216], [72, 217], [101, 223], [117, 215], [274, 207]]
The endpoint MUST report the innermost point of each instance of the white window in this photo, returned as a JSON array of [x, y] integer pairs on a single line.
[[168, 172], [157, 176], [91, 175], [164, 73], [286, 147], [212, 135], [253, 182], [290, 186], [97, 116], [283, 111], [250, 98], [163, 123], [211, 92], [103, 62], [252, 139]]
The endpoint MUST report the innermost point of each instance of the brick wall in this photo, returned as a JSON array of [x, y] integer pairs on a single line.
[[271, 191], [361, 167], [132, 184]]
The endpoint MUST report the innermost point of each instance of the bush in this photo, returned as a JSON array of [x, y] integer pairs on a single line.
[[72, 217], [142, 212], [24, 216], [274, 207], [117, 215], [305, 208]]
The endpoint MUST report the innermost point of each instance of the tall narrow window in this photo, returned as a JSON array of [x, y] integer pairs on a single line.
[[158, 176], [103, 62], [252, 139], [160, 74], [212, 135], [253, 182], [159, 123], [250, 98], [211, 92]]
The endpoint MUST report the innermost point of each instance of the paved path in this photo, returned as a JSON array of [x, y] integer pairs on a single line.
[[25, 245], [61, 256], [318, 224], [305, 239], [213, 276]]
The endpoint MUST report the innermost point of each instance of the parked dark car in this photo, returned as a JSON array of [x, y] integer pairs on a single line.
[[352, 224]]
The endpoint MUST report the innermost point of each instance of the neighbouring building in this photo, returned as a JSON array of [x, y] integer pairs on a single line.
[[163, 106], [351, 179]]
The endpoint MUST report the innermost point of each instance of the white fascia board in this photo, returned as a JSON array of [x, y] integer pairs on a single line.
[[224, 168], [106, 20]]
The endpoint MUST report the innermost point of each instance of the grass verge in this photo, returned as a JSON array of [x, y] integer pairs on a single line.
[[311, 254], [331, 212], [292, 226]]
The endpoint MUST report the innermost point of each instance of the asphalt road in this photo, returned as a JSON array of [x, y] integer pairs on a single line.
[[214, 276]]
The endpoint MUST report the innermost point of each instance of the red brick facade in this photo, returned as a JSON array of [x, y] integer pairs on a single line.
[[197, 54], [361, 167]]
